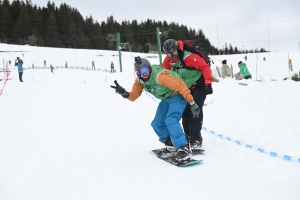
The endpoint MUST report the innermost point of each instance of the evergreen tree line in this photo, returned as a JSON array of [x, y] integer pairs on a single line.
[[63, 26]]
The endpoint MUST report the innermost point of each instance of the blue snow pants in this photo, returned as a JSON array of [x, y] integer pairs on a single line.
[[166, 121]]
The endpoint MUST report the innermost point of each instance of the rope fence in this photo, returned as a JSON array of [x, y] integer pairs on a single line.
[[240, 143]]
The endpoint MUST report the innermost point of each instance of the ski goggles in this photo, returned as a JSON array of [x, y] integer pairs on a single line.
[[144, 71]]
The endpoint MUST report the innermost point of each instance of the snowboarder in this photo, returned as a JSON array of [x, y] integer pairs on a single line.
[[198, 81], [174, 94]]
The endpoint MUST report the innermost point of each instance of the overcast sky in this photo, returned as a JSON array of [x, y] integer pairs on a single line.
[[270, 24]]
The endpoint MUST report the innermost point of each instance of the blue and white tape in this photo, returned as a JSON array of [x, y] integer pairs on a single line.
[[249, 146], [151, 96], [240, 143]]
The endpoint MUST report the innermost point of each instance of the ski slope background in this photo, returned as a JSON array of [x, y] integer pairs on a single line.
[[68, 135]]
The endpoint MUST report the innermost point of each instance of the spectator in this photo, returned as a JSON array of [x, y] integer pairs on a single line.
[[245, 58], [19, 64], [226, 71], [66, 64], [112, 67], [243, 73]]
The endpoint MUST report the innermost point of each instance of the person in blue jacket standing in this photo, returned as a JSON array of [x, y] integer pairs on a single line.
[[19, 64]]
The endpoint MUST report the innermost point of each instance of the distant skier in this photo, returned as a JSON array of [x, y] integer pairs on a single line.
[[93, 64], [112, 67], [51, 67], [290, 65]]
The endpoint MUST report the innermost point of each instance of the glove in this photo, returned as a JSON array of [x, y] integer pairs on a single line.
[[120, 90], [208, 89], [195, 110]]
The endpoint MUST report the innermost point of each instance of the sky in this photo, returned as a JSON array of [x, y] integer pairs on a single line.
[[272, 25], [68, 136]]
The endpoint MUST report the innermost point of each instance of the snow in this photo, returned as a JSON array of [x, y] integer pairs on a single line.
[[68, 135]]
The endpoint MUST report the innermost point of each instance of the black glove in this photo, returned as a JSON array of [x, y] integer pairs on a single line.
[[208, 89], [120, 90]]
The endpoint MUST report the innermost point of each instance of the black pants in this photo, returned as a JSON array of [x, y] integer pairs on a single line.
[[192, 126], [20, 76]]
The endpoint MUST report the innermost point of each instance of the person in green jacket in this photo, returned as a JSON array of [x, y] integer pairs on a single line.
[[112, 67], [244, 72]]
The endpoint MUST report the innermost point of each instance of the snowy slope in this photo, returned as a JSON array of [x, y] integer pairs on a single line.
[[67, 135]]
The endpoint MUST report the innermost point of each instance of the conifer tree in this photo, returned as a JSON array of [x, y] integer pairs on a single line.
[[40, 41], [52, 37], [230, 49], [64, 22], [6, 21], [96, 38], [22, 26], [71, 39], [15, 9], [36, 22]]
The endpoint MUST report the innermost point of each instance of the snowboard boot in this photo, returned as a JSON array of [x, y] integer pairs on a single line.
[[195, 142], [183, 153], [169, 148]]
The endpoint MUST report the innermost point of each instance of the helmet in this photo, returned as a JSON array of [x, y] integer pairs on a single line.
[[170, 45], [140, 63]]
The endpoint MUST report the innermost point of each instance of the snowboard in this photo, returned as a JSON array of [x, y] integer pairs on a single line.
[[170, 159]]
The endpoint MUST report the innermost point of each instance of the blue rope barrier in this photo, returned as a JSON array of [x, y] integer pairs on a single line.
[[261, 150]]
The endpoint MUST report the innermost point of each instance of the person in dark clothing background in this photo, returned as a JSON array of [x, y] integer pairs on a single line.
[[19, 64]]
